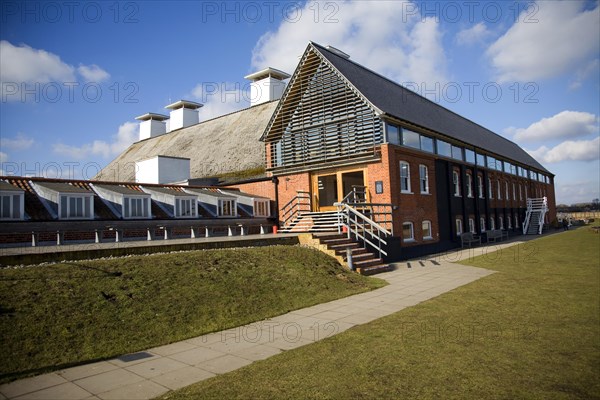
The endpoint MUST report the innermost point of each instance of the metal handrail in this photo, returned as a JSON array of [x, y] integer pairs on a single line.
[[300, 203], [353, 219]]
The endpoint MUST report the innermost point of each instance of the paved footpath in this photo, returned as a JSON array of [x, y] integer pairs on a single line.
[[153, 372]]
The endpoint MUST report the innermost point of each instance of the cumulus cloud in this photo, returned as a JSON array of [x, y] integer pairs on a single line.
[[579, 150], [24, 65], [565, 35], [20, 142], [564, 125], [93, 73], [582, 73], [125, 136], [476, 34], [376, 34], [220, 98]]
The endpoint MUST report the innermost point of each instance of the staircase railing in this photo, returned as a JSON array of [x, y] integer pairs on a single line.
[[536, 209], [299, 204], [362, 228]]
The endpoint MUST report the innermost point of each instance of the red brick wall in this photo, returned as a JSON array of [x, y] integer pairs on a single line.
[[261, 188]]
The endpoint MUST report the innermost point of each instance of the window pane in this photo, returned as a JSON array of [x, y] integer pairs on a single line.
[[87, 209], [480, 159], [491, 162], [457, 153], [444, 149], [393, 133], [470, 156], [5, 206], [126, 213], [407, 232], [426, 144], [410, 139], [426, 229]]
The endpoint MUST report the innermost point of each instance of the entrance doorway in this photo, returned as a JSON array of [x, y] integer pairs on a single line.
[[332, 187]]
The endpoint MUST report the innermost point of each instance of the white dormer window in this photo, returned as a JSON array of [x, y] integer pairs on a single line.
[[226, 208], [136, 207], [76, 206], [11, 206], [262, 208], [186, 208]]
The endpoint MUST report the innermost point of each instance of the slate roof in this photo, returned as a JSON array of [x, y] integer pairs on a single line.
[[210, 193], [399, 102], [122, 190], [8, 187], [63, 187]]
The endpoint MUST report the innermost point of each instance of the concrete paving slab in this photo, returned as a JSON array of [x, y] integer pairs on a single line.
[[172, 348], [287, 343], [29, 385], [196, 356], [331, 315], [83, 371], [108, 381], [156, 367], [205, 339], [64, 391], [137, 391], [258, 352], [133, 358], [223, 364], [182, 377]]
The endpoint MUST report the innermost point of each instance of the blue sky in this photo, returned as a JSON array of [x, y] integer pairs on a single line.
[[74, 75]]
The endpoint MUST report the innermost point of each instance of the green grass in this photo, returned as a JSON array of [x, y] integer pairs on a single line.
[[56, 315], [531, 330]]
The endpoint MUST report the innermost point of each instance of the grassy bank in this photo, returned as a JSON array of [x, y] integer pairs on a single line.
[[55, 315], [532, 330]]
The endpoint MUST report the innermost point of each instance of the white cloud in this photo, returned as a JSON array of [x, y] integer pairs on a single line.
[[582, 73], [566, 124], [220, 98], [20, 142], [3, 157], [125, 136], [576, 192], [579, 150], [377, 34], [92, 73], [564, 36], [476, 34]]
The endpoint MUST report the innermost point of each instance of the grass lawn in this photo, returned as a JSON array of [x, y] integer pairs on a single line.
[[56, 315], [531, 330]]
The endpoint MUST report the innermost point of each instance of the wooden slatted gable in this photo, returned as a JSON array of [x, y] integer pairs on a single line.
[[320, 120]]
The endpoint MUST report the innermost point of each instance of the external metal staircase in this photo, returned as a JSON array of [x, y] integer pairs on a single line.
[[535, 215], [326, 221]]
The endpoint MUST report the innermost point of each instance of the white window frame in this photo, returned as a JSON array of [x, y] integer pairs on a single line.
[[412, 232], [428, 224], [501, 220], [499, 189], [480, 185], [517, 221], [469, 185], [145, 207], [9, 196], [506, 192], [192, 210], [514, 191], [456, 183], [482, 223], [226, 208], [262, 208], [424, 179], [490, 189], [509, 221], [471, 225], [520, 192], [67, 197], [459, 226], [492, 223], [405, 180]]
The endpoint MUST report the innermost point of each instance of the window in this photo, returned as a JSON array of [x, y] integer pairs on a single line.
[[444, 148], [506, 196], [480, 160], [498, 190], [509, 222], [482, 223], [457, 153], [520, 192], [135, 207], [480, 185], [514, 191], [407, 232], [501, 221], [393, 134], [459, 230], [76, 207], [456, 183], [226, 208], [525, 192], [471, 225], [411, 139], [491, 161], [185, 208], [424, 178], [490, 189], [426, 227], [404, 177], [469, 185], [492, 223], [470, 156], [11, 206], [426, 144], [261, 208], [516, 221]]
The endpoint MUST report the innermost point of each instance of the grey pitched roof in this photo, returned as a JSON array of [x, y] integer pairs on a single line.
[[399, 102], [63, 187], [8, 187], [121, 190], [209, 193], [166, 190]]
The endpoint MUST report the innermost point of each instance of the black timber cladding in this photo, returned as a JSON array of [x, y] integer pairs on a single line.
[[402, 103]]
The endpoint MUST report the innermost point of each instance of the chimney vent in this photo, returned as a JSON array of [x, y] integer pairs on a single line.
[[338, 52], [152, 125], [267, 85], [183, 114]]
